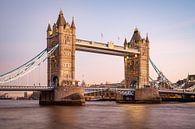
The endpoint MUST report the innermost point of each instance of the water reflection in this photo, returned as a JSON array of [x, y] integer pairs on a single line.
[[62, 117], [92, 116], [137, 115], [96, 115]]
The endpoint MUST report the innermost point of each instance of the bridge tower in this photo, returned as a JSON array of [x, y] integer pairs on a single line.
[[137, 65], [61, 65]]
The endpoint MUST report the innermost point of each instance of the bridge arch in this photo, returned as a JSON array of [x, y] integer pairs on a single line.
[[55, 81]]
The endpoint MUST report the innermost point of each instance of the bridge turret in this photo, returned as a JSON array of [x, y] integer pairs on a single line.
[[147, 39], [136, 38], [73, 27], [125, 43], [49, 31], [61, 22], [73, 24]]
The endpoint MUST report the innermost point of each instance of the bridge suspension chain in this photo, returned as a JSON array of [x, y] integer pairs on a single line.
[[161, 77], [27, 67]]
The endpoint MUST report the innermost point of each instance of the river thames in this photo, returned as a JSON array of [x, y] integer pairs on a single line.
[[96, 115]]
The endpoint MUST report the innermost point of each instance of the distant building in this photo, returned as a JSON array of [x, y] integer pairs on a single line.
[[83, 84], [187, 82], [191, 79]]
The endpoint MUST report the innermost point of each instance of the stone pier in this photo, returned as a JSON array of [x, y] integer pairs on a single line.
[[147, 95], [72, 95]]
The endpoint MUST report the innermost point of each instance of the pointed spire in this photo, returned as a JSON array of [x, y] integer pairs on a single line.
[[61, 21], [72, 24], [48, 27], [61, 11], [49, 30], [136, 29], [147, 39], [136, 36], [125, 42]]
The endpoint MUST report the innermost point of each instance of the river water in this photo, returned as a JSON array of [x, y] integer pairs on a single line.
[[96, 115]]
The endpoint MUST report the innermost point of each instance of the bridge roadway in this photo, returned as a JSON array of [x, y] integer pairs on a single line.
[[103, 48], [176, 92], [87, 90], [26, 88]]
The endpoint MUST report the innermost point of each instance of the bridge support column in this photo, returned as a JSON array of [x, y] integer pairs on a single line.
[[46, 97]]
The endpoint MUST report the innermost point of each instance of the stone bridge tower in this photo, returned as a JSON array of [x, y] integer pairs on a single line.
[[137, 65], [61, 64]]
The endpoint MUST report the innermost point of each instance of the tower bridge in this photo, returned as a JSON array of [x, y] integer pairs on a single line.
[[61, 65], [60, 54]]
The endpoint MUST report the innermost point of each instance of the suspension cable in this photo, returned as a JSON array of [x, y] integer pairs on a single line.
[[28, 66], [160, 74]]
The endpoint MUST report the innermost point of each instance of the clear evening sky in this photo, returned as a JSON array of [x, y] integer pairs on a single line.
[[169, 23]]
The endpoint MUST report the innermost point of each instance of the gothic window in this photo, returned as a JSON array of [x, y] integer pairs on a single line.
[[67, 53], [136, 64], [52, 64], [132, 65], [68, 40]]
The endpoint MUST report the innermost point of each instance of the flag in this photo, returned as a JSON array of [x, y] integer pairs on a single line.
[[101, 35]]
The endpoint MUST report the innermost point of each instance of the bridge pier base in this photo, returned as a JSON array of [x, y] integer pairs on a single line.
[[67, 95], [147, 95]]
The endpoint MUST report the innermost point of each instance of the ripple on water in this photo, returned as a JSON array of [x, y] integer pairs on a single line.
[[96, 115]]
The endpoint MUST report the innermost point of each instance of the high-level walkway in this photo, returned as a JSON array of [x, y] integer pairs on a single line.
[[104, 48]]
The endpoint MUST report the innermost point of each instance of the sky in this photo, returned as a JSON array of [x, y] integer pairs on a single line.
[[169, 24]]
